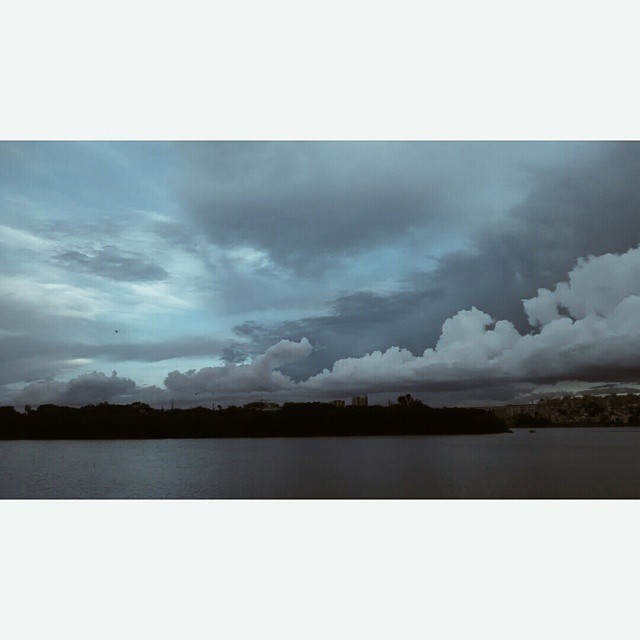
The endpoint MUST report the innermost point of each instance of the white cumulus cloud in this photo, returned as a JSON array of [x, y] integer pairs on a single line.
[[588, 327]]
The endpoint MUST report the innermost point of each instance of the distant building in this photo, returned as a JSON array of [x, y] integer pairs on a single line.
[[360, 401], [338, 403], [577, 409]]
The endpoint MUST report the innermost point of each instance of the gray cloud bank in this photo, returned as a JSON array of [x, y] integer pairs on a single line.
[[110, 262], [88, 388], [586, 327], [309, 205], [586, 202]]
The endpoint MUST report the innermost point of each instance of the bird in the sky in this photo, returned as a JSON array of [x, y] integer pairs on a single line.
[[116, 331]]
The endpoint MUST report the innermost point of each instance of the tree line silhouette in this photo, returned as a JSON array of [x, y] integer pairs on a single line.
[[138, 420]]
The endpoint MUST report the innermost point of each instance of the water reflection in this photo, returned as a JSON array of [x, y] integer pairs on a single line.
[[553, 463]]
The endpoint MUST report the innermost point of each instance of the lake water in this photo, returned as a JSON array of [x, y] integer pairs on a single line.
[[552, 463]]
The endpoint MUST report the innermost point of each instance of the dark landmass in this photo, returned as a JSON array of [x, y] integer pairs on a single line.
[[139, 421]]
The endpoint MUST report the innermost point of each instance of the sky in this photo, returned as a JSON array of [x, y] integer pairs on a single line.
[[465, 273]]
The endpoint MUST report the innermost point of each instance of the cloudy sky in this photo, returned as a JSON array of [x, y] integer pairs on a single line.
[[464, 273]]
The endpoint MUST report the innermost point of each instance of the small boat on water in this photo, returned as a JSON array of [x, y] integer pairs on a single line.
[[531, 431]]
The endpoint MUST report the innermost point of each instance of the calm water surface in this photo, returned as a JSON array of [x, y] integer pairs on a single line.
[[553, 463]]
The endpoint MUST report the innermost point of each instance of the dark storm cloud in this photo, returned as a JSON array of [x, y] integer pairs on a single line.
[[590, 208], [308, 203], [25, 358], [583, 201], [87, 388], [110, 262], [359, 323], [194, 346], [30, 368], [263, 193], [38, 345]]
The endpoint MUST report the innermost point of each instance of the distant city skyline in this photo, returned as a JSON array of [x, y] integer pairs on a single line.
[[464, 273]]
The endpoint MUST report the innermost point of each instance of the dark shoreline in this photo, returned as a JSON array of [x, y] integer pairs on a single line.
[[608, 427], [140, 422]]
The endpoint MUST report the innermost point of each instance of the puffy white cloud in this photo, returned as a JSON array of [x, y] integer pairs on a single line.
[[596, 286], [467, 349], [589, 327]]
